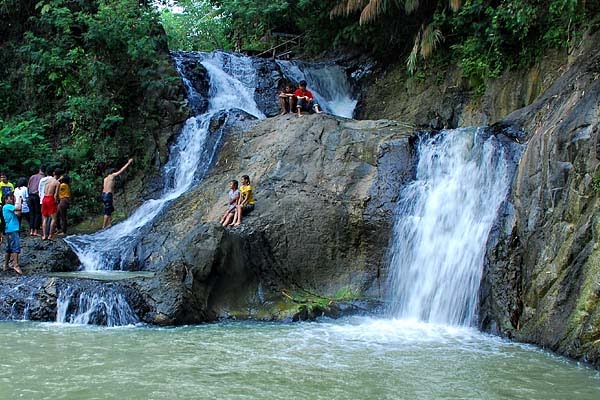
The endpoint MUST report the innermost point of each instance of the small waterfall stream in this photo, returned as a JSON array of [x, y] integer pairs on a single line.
[[100, 307], [188, 162], [444, 219]]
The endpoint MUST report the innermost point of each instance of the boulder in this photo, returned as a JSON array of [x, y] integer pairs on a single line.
[[325, 190]]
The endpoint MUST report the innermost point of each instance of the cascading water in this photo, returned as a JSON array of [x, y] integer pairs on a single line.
[[328, 84], [101, 307], [444, 219], [189, 160]]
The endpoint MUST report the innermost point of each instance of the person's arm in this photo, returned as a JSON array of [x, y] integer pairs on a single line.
[[124, 168]]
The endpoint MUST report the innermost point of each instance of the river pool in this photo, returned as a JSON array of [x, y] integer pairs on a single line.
[[353, 358]]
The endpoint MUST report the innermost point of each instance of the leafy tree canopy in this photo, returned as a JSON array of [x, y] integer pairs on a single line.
[[74, 79]]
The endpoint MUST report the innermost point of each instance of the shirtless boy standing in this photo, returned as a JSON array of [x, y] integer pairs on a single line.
[[49, 202], [107, 193]]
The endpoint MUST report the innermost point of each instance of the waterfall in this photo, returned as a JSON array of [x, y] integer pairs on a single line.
[[102, 307], [189, 161], [443, 222], [328, 83]]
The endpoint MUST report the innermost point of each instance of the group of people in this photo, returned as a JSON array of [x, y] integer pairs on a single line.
[[42, 201], [241, 202], [297, 100]]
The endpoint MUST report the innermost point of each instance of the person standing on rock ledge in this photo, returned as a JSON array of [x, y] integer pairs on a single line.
[[13, 245], [107, 193], [246, 203]]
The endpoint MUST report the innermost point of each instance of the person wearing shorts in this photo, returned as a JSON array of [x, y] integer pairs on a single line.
[[107, 200], [108, 186], [13, 244], [49, 205]]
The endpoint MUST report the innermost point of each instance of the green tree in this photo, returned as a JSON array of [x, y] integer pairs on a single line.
[[80, 86], [195, 25]]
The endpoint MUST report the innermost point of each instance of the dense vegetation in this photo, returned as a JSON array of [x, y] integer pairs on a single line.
[[74, 82], [80, 79], [483, 36]]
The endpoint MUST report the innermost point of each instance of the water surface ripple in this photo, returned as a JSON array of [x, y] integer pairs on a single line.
[[355, 358]]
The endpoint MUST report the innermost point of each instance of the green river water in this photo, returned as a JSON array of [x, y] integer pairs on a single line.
[[354, 358]]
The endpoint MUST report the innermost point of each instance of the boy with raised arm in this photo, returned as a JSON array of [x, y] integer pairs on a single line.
[[108, 186]]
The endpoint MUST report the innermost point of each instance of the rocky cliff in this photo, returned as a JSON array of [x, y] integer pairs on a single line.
[[319, 230], [543, 278]]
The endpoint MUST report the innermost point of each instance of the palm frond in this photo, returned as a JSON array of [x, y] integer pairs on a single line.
[[410, 6], [372, 10], [346, 7], [411, 62], [455, 4], [430, 39]]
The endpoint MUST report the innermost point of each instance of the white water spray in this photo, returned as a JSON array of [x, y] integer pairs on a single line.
[[107, 308], [444, 219]]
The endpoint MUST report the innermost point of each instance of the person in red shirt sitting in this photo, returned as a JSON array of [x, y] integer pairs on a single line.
[[305, 99]]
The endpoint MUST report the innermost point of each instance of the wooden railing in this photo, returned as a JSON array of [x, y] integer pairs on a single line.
[[284, 49]]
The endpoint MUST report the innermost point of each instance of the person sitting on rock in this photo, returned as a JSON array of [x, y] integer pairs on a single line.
[[305, 100], [13, 245], [246, 202], [234, 196], [287, 99]]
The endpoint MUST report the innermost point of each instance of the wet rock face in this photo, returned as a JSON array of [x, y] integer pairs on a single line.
[[84, 301], [41, 256], [543, 280], [325, 190]]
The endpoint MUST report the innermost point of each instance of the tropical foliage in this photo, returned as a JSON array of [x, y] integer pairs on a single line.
[[74, 82]]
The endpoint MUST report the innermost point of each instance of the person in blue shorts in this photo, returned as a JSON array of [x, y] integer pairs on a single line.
[[13, 245]]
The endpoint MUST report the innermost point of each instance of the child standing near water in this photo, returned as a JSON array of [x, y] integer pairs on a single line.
[[13, 245]]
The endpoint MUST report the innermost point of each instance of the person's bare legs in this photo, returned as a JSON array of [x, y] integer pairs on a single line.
[[16, 267], [222, 221], [229, 219], [52, 225], [238, 216], [106, 223], [282, 101], [44, 223]]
